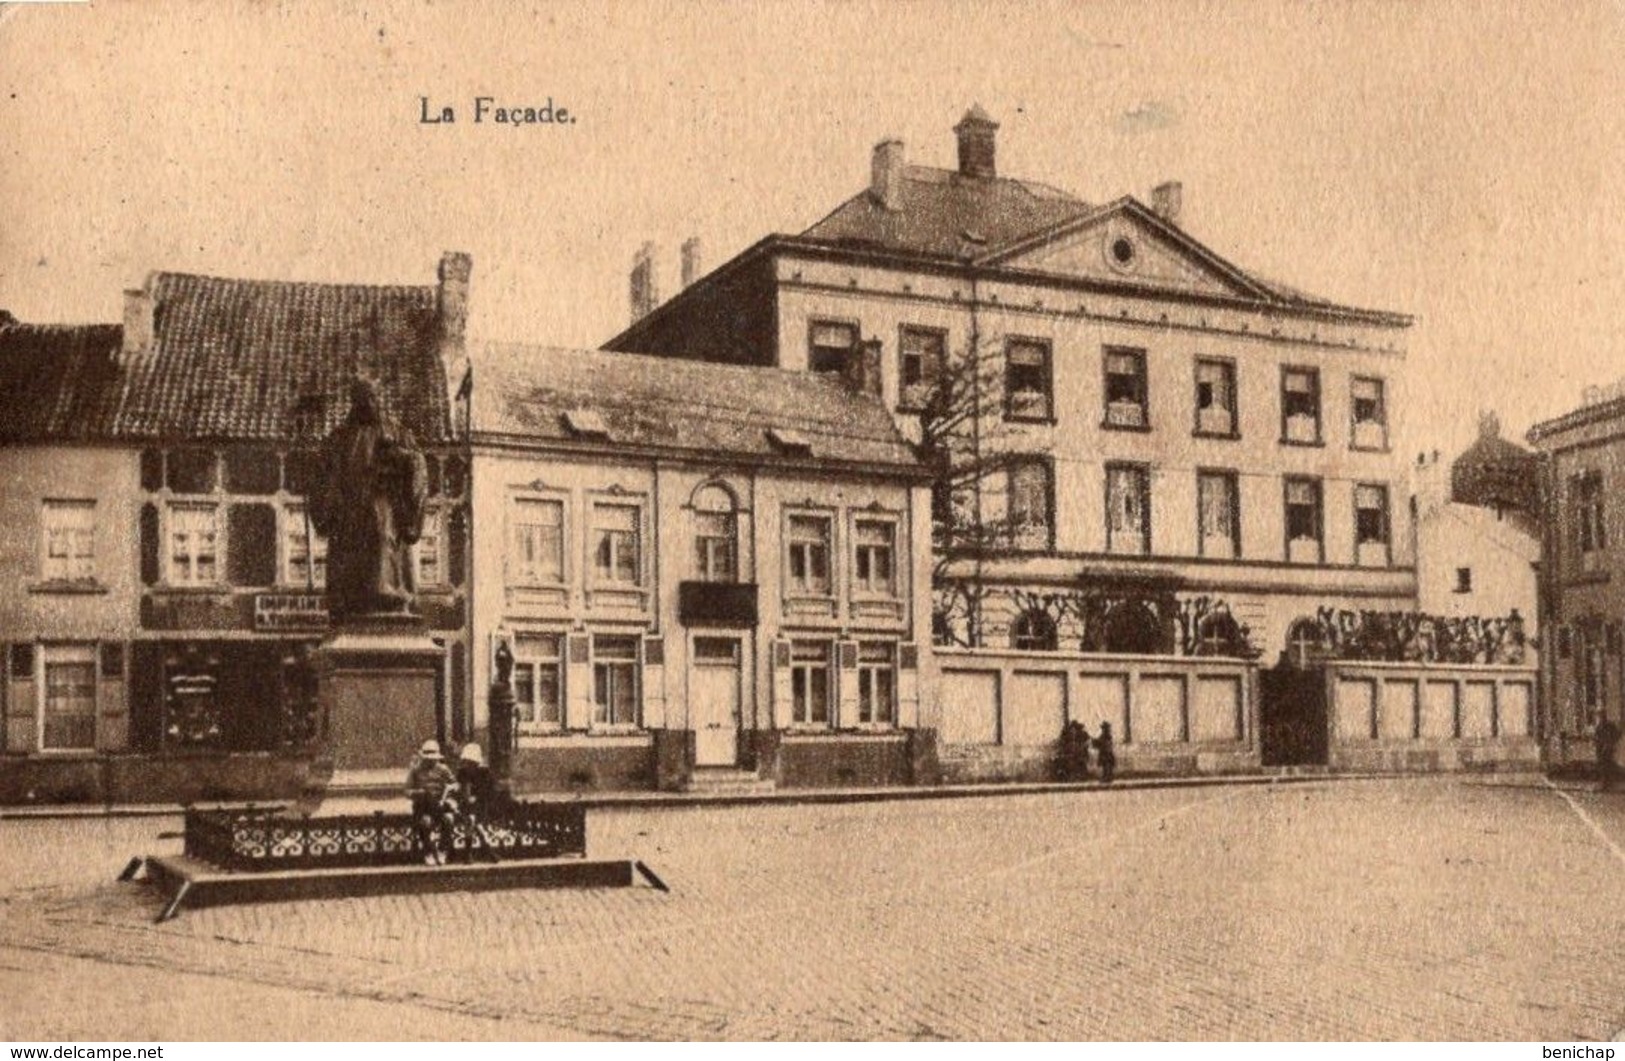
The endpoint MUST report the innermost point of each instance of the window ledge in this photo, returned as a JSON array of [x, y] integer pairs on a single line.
[[1587, 578], [1228, 436], [1318, 443], [200, 591], [1107, 425], [1369, 449], [874, 733], [615, 731], [69, 587], [1011, 418], [809, 598]]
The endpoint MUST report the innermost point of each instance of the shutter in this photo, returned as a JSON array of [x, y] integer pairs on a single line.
[[149, 545], [462, 724], [781, 684], [456, 546], [846, 713], [251, 545], [20, 730], [908, 686], [578, 692], [653, 683]]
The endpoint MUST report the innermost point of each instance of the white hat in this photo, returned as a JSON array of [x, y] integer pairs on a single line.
[[472, 754], [430, 750]]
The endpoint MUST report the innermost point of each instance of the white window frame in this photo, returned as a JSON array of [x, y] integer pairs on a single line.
[[710, 548], [1232, 490], [802, 671], [172, 511], [607, 673], [520, 573], [1031, 534], [800, 551], [871, 671], [864, 555], [529, 660], [1225, 368], [68, 540], [1377, 425], [1129, 540], [297, 547], [617, 544], [74, 655], [431, 546]]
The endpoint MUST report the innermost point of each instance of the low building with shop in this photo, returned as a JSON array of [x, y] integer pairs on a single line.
[[704, 572], [160, 609]]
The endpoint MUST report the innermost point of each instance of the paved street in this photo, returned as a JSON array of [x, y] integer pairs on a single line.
[[1425, 908]]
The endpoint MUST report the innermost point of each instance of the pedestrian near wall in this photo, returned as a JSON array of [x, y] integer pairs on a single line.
[[1606, 739], [1105, 754]]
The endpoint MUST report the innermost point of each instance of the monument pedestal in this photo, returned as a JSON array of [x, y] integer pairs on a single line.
[[376, 683]]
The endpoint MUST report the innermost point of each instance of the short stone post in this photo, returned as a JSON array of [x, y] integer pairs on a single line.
[[500, 706]]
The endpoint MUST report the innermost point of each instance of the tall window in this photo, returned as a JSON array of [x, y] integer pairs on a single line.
[[1218, 513], [809, 683], [877, 683], [194, 534], [1303, 522], [1128, 509], [536, 549], [615, 681], [1593, 672], [1369, 411], [1027, 384], [1300, 405], [304, 551], [809, 554], [921, 355], [1125, 388], [615, 544], [1371, 524], [69, 545], [430, 551], [1215, 397], [715, 530], [538, 681], [830, 345], [872, 570], [1028, 503], [1591, 528], [69, 718], [1033, 631]]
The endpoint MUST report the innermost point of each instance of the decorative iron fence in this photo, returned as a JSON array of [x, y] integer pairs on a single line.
[[258, 841]]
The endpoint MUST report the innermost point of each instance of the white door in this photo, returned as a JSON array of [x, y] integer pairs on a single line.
[[713, 701]]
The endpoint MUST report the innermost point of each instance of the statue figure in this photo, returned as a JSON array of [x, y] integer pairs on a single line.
[[368, 503]]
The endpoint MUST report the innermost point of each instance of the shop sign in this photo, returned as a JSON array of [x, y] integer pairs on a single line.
[[290, 611]]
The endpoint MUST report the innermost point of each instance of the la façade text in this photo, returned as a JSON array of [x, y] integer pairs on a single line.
[[488, 110]]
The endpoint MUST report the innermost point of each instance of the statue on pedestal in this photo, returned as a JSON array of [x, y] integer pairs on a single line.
[[368, 503]]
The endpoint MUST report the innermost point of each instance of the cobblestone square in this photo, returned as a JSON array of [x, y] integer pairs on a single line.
[[1419, 908]]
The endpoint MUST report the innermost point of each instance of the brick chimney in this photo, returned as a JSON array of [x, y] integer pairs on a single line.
[[1166, 199], [644, 283], [451, 303], [138, 315], [976, 132], [886, 174], [691, 260], [862, 371]]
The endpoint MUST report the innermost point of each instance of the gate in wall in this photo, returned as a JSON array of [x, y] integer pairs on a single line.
[[1292, 716]]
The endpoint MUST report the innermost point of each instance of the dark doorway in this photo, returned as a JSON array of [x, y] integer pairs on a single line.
[[1292, 716], [1132, 627]]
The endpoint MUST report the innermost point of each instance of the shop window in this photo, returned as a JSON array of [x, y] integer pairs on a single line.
[[1300, 405], [616, 554], [194, 544], [1218, 511], [921, 356], [536, 542], [1126, 389], [1303, 522], [830, 345], [68, 718], [809, 554], [1027, 380], [1128, 509], [615, 681], [1215, 397], [538, 681], [68, 551], [809, 683], [873, 567], [877, 683]]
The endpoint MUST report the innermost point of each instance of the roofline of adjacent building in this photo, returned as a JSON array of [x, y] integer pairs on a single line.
[[838, 251], [1584, 416], [911, 470]]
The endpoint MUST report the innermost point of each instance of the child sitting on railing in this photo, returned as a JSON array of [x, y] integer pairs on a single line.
[[428, 782]]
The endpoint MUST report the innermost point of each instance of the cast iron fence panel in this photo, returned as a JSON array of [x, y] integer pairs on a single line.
[[259, 841]]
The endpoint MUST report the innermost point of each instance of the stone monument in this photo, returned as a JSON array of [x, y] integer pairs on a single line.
[[377, 670]]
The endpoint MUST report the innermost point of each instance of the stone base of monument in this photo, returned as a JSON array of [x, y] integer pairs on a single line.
[[377, 679]]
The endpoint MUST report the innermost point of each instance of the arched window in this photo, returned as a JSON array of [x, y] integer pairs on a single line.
[[1218, 635], [716, 534], [1303, 643], [1132, 627], [1033, 631]]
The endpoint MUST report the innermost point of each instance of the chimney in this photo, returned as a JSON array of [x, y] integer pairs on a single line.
[[886, 174], [138, 313], [691, 260], [1489, 424], [862, 371], [976, 132], [644, 286], [451, 303], [1166, 199]]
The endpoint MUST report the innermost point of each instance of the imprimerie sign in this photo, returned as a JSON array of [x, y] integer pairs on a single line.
[[290, 611]]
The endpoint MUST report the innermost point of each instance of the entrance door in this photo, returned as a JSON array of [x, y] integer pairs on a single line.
[[1292, 716], [713, 701]]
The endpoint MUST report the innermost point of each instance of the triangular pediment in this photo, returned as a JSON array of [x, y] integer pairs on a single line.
[[1128, 243]]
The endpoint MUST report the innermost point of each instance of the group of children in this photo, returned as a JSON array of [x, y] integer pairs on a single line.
[[444, 799], [1075, 745]]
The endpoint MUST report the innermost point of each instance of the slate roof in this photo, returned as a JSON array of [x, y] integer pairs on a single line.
[[943, 214], [262, 359], [675, 404], [250, 360], [58, 381]]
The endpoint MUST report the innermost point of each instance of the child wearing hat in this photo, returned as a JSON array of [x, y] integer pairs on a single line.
[[427, 782]]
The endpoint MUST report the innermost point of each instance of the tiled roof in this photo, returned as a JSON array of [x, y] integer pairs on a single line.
[[944, 214], [59, 382], [674, 404], [258, 359]]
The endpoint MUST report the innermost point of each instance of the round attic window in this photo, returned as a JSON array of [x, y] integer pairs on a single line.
[[1122, 252]]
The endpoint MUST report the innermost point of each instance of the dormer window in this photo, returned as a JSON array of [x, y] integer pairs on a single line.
[[586, 423]]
